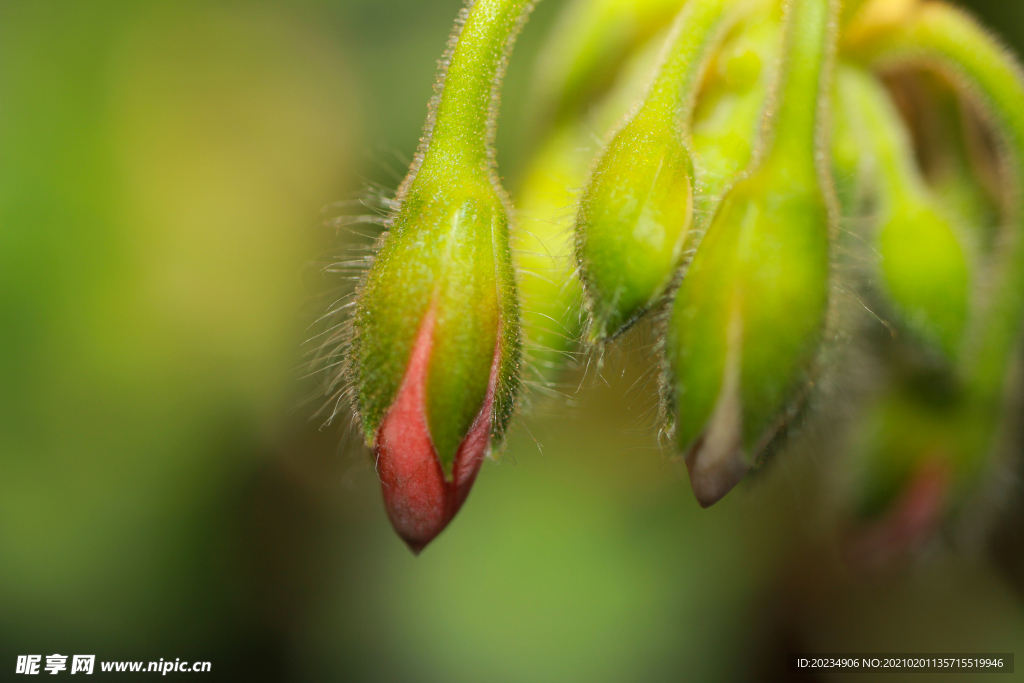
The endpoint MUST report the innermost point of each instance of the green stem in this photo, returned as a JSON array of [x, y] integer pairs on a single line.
[[943, 37], [884, 131], [461, 132], [809, 50], [699, 29]]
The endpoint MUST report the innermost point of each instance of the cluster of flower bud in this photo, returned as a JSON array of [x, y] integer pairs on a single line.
[[748, 147]]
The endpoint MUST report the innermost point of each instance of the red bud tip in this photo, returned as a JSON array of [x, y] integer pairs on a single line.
[[911, 521], [419, 499]]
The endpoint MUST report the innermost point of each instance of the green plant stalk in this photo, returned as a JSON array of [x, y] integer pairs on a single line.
[[699, 29], [801, 98], [590, 40], [953, 174], [461, 134], [939, 36]]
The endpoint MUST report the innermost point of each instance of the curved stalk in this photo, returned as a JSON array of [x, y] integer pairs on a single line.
[[938, 36]]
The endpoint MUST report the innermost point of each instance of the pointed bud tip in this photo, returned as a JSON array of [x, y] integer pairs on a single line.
[[716, 461], [911, 520], [420, 499], [715, 469]]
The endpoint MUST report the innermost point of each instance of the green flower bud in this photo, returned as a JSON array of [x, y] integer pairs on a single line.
[[747, 320], [436, 326], [636, 210], [923, 266], [632, 224]]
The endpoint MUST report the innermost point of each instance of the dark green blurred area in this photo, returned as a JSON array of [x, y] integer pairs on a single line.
[[163, 492]]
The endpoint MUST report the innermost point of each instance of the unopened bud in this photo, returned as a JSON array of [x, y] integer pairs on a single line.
[[437, 327], [747, 320], [636, 210], [634, 217], [924, 270]]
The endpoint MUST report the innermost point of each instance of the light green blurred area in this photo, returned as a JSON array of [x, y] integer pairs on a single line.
[[163, 168]]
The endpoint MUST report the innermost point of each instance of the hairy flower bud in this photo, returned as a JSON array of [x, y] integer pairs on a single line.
[[748, 318], [633, 221], [924, 270], [437, 345], [636, 210], [437, 326]]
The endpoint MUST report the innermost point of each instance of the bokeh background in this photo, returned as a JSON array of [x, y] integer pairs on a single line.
[[164, 173]]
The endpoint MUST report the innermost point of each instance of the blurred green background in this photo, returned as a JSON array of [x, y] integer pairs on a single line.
[[163, 491]]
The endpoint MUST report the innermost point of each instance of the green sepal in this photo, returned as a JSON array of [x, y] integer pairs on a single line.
[[756, 294], [632, 223], [444, 252]]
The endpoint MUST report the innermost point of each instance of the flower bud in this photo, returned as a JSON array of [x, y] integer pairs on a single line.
[[436, 347], [924, 270], [747, 319], [636, 210], [436, 343], [745, 325], [634, 217]]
